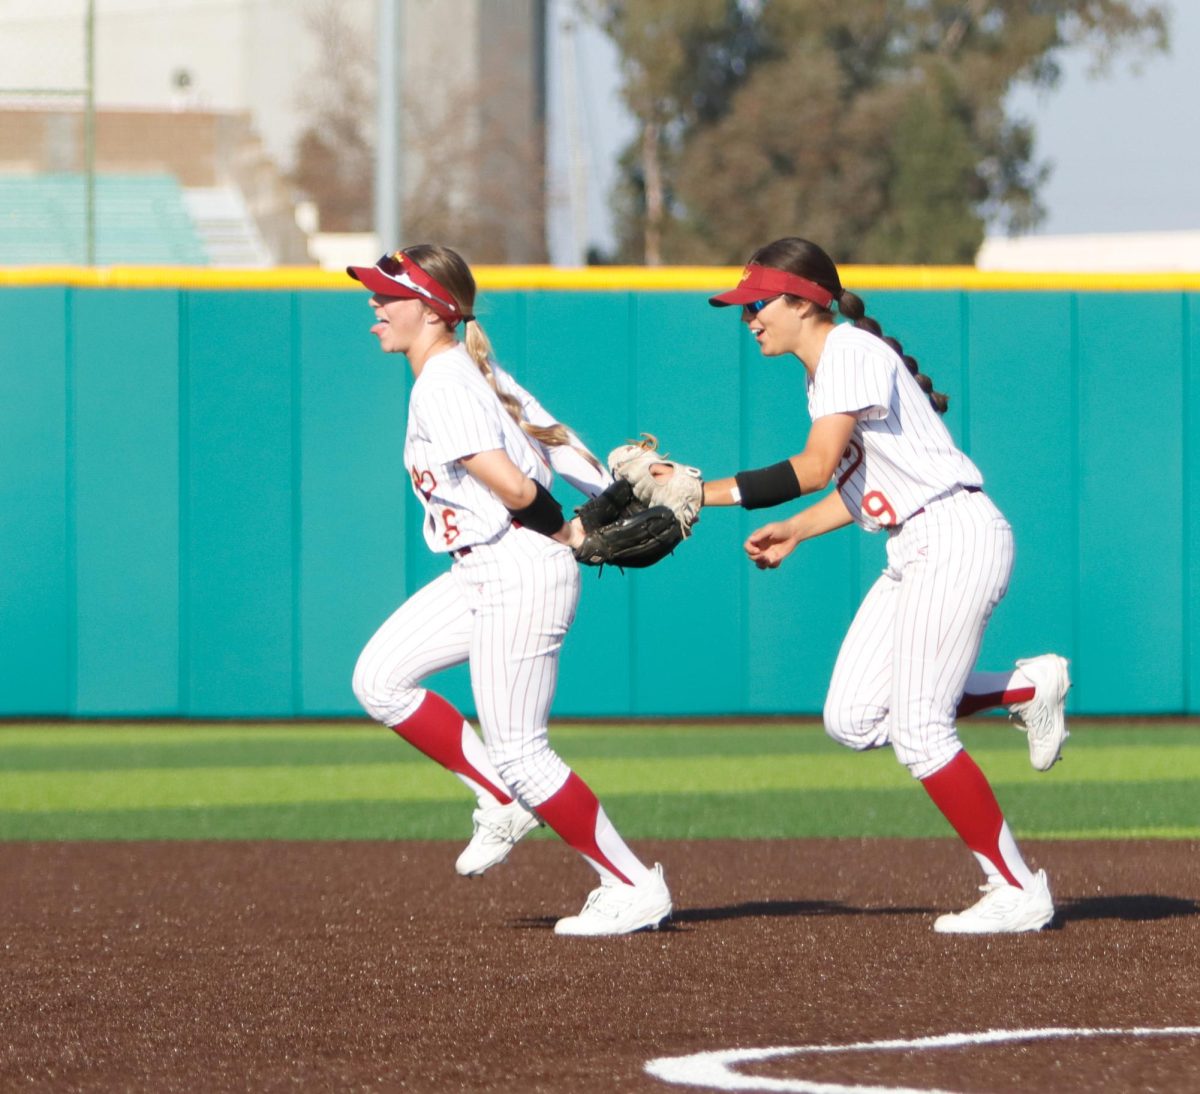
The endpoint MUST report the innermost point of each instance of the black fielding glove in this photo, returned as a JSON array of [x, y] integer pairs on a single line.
[[632, 542]]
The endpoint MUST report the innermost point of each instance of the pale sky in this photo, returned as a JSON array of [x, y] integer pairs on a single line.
[[1125, 147]]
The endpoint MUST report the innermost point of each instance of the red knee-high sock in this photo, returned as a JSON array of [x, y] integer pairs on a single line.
[[436, 729], [573, 811], [973, 704], [961, 791]]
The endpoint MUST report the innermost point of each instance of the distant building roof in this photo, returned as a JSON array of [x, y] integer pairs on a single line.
[[1118, 252]]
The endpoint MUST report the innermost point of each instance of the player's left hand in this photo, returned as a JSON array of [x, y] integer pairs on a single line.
[[771, 544]]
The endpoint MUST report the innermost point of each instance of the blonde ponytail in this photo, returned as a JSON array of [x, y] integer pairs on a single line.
[[479, 346], [451, 271]]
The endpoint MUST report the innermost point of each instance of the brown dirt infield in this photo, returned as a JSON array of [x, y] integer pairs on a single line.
[[370, 966]]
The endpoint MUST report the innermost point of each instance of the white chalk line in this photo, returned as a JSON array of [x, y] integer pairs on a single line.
[[713, 1070]]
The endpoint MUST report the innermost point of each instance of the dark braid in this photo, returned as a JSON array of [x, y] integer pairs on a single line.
[[805, 259]]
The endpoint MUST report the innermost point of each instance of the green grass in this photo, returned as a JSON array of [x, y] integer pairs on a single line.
[[333, 781]]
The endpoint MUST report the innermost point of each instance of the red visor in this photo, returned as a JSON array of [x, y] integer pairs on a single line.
[[763, 282], [398, 275]]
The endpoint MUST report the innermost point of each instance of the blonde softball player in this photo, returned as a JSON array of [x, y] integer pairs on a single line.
[[481, 453], [904, 668]]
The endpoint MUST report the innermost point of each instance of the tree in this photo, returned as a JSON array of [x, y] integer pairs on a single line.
[[680, 61], [473, 157], [877, 127], [474, 160], [335, 153]]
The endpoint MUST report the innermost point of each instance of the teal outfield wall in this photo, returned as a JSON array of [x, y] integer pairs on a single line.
[[206, 514]]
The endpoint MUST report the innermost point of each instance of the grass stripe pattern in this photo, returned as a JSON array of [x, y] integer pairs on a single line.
[[780, 780]]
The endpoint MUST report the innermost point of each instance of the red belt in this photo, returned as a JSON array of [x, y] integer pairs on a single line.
[[966, 490]]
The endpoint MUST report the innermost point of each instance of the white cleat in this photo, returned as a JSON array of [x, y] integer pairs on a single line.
[[1043, 718], [614, 908], [498, 829], [1004, 909]]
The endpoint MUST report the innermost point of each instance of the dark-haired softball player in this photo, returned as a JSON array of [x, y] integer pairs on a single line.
[[903, 670], [481, 453]]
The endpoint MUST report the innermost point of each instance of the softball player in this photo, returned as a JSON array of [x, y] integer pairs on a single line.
[[480, 452], [904, 666]]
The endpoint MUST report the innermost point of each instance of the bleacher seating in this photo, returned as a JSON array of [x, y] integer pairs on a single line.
[[240, 204], [225, 226], [140, 219]]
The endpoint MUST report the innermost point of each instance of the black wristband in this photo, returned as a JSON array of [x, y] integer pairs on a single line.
[[768, 486], [543, 514]]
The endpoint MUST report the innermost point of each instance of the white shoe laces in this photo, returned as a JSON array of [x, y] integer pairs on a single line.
[[601, 901], [998, 899], [491, 831], [998, 895]]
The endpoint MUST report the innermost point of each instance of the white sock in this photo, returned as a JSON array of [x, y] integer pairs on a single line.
[[477, 757], [1012, 859], [609, 840]]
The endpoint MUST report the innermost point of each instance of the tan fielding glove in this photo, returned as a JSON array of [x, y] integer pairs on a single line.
[[659, 481]]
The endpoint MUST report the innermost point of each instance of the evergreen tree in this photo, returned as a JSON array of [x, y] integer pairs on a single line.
[[877, 127]]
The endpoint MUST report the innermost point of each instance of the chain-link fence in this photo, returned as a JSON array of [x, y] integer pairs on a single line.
[[130, 133], [47, 134], [247, 132]]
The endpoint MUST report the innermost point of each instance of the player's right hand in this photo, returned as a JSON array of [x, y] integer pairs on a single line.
[[571, 533], [771, 544]]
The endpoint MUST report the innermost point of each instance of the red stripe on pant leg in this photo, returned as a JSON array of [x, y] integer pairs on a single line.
[[973, 704], [961, 791], [572, 811], [436, 729]]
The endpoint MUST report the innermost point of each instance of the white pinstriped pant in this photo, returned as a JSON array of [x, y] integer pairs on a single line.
[[905, 661], [505, 608]]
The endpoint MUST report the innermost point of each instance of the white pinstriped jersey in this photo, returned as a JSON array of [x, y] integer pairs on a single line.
[[452, 413], [900, 455]]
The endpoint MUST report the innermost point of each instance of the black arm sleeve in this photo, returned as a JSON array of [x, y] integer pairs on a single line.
[[768, 485], [543, 514]]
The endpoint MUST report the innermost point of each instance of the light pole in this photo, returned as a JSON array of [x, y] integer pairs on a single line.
[[389, 152]]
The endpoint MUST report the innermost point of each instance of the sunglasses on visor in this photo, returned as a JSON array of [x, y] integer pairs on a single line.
[[404, 271]]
